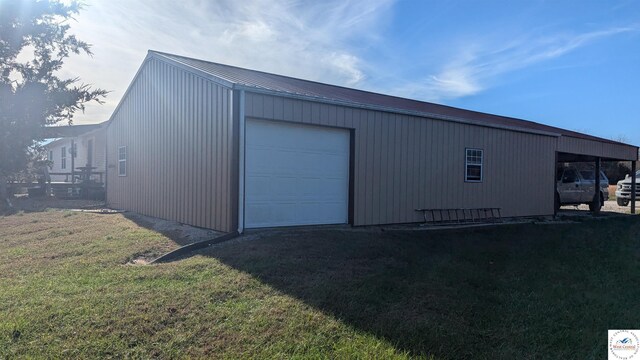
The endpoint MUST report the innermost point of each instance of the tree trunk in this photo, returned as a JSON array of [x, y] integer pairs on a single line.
[[4, 193]]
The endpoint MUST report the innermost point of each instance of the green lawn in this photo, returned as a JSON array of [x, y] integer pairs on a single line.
[[511, 292]]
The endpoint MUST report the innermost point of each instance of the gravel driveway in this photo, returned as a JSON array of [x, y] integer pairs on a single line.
[[609, 206]]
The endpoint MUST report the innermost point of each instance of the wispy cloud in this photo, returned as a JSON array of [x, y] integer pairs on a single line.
[[311, 40], [477, 65], [318, 40]]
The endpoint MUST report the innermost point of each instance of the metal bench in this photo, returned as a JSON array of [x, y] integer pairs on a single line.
[[460, 215]]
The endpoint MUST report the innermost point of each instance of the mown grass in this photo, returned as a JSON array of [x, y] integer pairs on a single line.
[[521, 291]]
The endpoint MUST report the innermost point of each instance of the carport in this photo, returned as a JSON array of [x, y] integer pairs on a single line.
[[595, 151]]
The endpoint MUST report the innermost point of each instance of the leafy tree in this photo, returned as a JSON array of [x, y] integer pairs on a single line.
[[34, 42], [616, 170]]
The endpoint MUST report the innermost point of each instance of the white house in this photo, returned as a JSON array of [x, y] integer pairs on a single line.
[[89, 151]]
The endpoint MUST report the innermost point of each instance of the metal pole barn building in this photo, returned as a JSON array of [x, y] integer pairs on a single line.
[[227, 148]]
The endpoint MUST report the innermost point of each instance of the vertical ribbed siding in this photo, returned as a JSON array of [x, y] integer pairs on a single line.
[[404, 162], [178, 131]]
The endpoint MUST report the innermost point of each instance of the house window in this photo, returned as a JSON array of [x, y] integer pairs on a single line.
[[122, 161], [63, 157], [473, 165], [50, 156]]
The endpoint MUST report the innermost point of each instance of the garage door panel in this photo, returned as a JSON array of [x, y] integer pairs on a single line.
[[291, 214], [308, 188], [333, 189], [260, 187], [272, 188], [265, 213], [258, 162], [295, 174], [282, 160], [283, 188], [336, 166], [307, 212]]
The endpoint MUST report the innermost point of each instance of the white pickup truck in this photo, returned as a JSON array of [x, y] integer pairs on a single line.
[[623, 190], [575, 186]]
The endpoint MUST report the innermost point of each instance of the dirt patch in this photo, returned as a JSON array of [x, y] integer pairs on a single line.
[[139, 261], [142, 258]]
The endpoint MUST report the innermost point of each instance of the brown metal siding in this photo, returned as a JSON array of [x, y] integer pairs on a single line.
[[405, 162], [178, 131], [596, 148]]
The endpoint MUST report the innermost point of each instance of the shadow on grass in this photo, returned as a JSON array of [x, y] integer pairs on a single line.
[[519, 291], [179, 233]]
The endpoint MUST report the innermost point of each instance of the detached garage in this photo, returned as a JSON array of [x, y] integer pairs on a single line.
[[227, 148]]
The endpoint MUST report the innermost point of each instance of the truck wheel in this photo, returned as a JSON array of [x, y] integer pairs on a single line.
[[622, 202], [557, 202], [592, 205]]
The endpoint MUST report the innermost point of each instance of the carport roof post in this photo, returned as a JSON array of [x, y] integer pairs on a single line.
[[596, 195], [633, 187]]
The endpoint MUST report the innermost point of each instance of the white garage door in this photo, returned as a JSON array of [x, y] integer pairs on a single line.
[[295, 174]]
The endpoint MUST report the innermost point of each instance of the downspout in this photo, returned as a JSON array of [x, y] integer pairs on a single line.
[[241, 161]]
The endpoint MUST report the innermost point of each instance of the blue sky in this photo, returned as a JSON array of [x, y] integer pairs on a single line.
[[572, 64]]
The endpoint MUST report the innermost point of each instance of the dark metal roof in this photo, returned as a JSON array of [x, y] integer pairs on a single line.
[[298, 87]]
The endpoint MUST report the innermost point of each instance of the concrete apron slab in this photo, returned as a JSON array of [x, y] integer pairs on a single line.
[[181, 251]]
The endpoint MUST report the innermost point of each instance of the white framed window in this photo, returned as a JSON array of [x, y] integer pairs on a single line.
[[122, 161], [473, 165], [63, 157], [50, 155]]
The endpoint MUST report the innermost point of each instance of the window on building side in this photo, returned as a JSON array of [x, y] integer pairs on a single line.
[[122, 161], [63, 157], [473, 165]]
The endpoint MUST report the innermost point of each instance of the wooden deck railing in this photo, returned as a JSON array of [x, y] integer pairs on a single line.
[[74, 177]]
